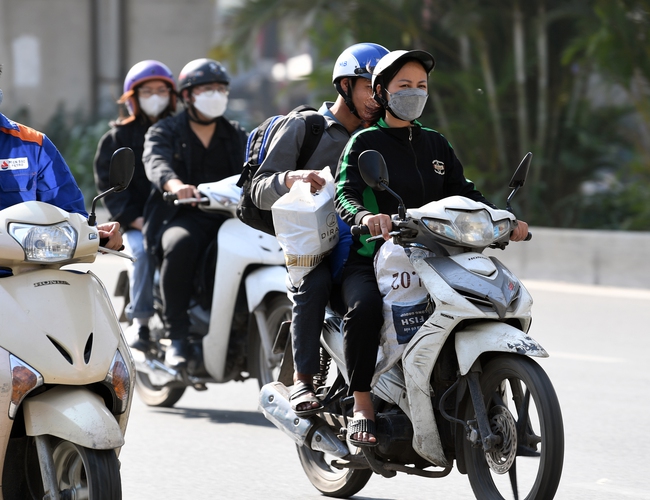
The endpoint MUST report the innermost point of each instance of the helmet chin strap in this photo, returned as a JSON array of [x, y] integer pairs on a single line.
[[383, 102], [347, 96], [193, 112]]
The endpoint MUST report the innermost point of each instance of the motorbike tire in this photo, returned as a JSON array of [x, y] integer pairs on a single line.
[[330, 481], [266, 366], [165, 397], [521, 402], [86, 473]]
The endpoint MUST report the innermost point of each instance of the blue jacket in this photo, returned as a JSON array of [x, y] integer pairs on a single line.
[[31, 168]]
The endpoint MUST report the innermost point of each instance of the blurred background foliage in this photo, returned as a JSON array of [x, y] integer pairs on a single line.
[[565, 79]]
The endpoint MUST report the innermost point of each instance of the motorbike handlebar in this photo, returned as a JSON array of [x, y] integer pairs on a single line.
[[359, 230], [169, 197], [173, 198]]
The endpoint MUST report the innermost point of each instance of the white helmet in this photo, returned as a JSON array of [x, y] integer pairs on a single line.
[[393, 57]]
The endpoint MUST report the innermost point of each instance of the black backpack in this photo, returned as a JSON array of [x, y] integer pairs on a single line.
[[256, 150]]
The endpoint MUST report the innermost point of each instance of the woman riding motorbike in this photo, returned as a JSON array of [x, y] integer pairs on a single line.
[[422, 167]]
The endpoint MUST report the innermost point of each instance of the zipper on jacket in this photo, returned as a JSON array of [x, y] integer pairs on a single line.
[[415, 157]]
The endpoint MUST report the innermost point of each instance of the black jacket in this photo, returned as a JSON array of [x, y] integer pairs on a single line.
[[168, 155], [128, 205], [422, 167]]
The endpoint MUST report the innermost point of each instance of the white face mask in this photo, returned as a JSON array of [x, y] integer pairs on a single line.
[[153, 105], [211, 104]]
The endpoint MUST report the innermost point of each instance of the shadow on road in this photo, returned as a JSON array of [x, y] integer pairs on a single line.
[[219, 416]]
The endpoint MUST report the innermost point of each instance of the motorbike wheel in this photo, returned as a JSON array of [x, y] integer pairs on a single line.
[[330, 481], [85, 473], [525, 412], [152, 395], [266, 366]]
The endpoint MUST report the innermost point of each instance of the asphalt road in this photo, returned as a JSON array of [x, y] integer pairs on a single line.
[[217, 445]]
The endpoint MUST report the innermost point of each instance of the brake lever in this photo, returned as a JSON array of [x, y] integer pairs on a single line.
[[392, 234]]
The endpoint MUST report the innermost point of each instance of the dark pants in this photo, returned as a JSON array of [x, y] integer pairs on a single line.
[[184, 242], [362, 322], [309, 303]]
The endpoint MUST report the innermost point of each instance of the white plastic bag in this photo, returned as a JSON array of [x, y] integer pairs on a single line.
[[306, 226], [405, 304]]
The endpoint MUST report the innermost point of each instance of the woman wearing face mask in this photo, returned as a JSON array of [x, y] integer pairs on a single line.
[[197, 145], [149, 95], [422, 167]]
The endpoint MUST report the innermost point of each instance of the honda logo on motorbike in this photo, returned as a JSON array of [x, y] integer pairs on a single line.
[[51, 282]]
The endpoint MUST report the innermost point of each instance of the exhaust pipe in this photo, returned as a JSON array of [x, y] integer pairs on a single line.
[[274, 403]]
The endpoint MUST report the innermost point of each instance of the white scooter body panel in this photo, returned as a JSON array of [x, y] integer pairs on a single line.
[[74, 414], [262, 281], [492, 336], [421, 353], [43, 307], [239, 246]]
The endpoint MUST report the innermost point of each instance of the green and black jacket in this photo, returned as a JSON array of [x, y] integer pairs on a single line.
[[422, 167]]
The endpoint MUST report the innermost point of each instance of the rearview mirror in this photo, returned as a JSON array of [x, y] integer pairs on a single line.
[[121, 170], [120, 174], [373, 169], [375, 173], [519, 177]]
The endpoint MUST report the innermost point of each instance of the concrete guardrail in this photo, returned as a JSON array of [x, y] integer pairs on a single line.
[[607, 258]]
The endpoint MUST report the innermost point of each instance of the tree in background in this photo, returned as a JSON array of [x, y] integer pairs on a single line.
[[512, 76], [616, 43]]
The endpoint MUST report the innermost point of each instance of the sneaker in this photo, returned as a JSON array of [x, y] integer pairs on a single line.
[[138, 337], [176, 353]]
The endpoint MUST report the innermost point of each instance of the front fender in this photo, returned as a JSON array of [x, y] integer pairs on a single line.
[[74, 414], [262, 281], [493, 336]]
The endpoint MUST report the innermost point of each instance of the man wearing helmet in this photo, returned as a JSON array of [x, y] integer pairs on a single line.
[[197, 145], [32, 169], [149, 95], [276, 175]]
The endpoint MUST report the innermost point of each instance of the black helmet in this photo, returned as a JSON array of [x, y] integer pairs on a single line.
[[201, 71]]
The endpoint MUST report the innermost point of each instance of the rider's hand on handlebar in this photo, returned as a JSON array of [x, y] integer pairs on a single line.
[[182, 190], [310, 176], [110, 230], [379, 224], [520, 233]]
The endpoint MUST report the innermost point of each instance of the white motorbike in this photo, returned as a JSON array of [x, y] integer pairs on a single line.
[[465, 389], [66, 373], [231, 338]]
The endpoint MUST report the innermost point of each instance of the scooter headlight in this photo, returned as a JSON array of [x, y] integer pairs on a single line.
[[53, 243], [473, 229], [119, 380], [24, 379]]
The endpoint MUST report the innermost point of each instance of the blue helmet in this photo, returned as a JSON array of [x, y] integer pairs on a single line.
[[358, 60]]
